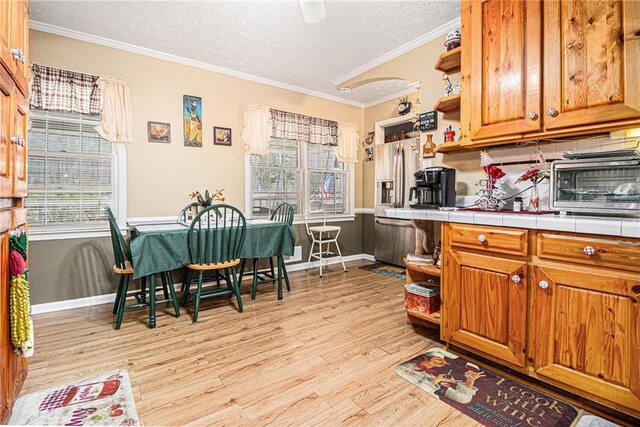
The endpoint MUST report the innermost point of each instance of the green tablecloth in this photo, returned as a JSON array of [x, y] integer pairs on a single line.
[[164, 247]]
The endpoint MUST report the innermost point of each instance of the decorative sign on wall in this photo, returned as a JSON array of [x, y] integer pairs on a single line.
[[192, 118], [428, 121]]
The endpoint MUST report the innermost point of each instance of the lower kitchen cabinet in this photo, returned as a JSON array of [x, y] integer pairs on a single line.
[[5, 345], [485, 305], [586, 332], [568, 317]]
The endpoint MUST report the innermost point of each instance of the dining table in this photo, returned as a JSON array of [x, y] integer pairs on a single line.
[[161, 247]]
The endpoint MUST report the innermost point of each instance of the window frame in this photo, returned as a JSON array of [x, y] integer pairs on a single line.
[[71, 231], [299, 218]]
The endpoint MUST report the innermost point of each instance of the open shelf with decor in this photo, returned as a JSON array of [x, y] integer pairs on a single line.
[[449, 61], [417, 273], [448, 104]]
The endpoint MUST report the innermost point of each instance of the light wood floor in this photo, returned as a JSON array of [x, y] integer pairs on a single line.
[[322, 356]]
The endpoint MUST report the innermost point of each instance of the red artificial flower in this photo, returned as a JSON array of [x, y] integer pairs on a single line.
[[494, 172]]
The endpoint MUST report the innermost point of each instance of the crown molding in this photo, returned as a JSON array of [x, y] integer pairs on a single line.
[[390, 97], [103, 41], [401, 50]]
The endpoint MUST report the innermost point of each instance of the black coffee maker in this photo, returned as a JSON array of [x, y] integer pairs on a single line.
[[435, 188]]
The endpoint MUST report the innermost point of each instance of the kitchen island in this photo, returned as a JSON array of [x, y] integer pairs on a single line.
[[553, 297]]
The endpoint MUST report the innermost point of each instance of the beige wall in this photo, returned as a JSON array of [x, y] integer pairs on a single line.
[[413, 66], [160, 176]]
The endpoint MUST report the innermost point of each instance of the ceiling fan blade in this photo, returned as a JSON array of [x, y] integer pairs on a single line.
[[313, 11]]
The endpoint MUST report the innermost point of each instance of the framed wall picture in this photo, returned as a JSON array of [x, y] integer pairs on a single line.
[[159, 132], [192, 120], [221, 136]]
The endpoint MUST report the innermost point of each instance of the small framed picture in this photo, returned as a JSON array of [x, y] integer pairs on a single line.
[[221, 136], [159, 132]]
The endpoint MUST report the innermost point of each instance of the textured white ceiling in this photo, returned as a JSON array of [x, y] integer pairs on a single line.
[[268, 39]]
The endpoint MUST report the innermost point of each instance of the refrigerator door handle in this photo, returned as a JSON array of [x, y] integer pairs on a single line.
[[396, 223], [395, 177], [402, 170]]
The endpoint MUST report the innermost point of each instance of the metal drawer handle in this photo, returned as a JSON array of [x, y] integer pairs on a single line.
[[589, 250], [19, 140], [516, 278], [543, 284], [18, 54], [482, 238]]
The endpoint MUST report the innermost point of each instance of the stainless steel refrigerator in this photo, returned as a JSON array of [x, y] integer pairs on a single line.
[[396, 163]]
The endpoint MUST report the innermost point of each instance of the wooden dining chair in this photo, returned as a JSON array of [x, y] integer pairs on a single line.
[[215, 239], [124, 268], [192, 208], [284, 213]]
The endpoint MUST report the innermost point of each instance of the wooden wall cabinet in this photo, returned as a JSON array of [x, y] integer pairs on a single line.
[[587, 53], [19, 125], [592, 56], [558, 313], [505, 68], [14, 111], [14, 40], [6, 172]]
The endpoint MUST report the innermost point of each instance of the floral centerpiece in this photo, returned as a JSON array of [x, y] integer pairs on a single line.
[[535, 176], [490, 195], [208, 198]]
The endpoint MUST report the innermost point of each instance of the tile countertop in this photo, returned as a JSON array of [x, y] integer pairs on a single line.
[[610, 226]]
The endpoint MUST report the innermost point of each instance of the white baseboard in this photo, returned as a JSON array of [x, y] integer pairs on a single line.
[[73, 303], [50, 307]]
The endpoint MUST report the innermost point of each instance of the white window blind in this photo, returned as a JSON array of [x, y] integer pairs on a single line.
[[72, 171]]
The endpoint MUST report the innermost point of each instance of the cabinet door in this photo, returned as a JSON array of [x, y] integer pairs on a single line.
[[586, 332], [16, 364], [592, 56], [19, 39], [6, 180], [505, 67], [5, 344], [5, 52], [485, 305], [19, 144]]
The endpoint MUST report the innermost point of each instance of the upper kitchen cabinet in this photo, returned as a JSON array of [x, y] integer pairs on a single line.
[[19, 126], [592, 54], [535, 70], [505, 67], [14, 40]]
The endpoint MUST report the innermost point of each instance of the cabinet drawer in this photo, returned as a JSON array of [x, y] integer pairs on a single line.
[[504, 240], [604, 252]]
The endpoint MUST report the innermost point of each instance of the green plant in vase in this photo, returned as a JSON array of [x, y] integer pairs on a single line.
[[208, 198]]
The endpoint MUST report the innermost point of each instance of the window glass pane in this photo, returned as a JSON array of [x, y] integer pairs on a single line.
[[323, 157], [276, 178], [71, 170]]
